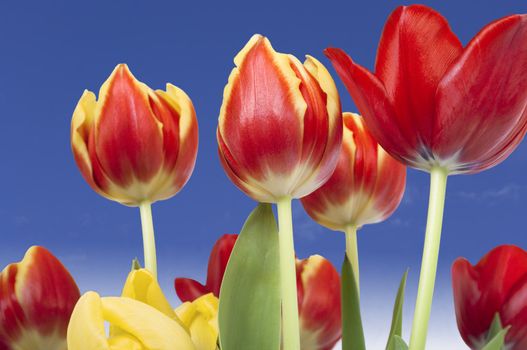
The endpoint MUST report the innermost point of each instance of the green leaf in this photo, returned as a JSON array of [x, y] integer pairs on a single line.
[[250, 311], [496, 335], [136, 265], [497, 342], [397, 318], [352, 333]]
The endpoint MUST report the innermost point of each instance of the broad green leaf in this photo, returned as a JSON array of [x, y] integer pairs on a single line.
[[496, 335], [399, 343], [397, 318], [250, 311], [352, 333]]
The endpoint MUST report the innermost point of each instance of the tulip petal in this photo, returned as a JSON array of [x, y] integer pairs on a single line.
[[219, 257], [319, 303], [371, 98], [128, 137], [482, 99], [86, 328], [188, 289], [514, 313], [416, 48]]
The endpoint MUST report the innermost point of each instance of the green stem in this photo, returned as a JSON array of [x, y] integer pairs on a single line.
[[290, 324], [352, 251], [425, 292], [149, 241]]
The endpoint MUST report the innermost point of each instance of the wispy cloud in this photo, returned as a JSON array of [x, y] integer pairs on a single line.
[[509, 191]]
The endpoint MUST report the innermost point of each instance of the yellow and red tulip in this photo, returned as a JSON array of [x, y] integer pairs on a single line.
[[37, 297], [366, 186], [142, 319], [318, 285], [280, 124], [134, 144]]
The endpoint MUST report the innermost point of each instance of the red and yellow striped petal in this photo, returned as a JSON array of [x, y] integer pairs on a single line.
[[366, 186], [318, 303], [37, 297]]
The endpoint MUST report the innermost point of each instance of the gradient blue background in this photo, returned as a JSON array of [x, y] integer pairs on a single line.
[[52, 51]]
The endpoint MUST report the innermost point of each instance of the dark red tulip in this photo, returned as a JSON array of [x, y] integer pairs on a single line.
[[497, 284], [318, 284], [433, 102]]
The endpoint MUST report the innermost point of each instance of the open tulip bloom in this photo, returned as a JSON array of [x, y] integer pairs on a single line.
[[443, 108]]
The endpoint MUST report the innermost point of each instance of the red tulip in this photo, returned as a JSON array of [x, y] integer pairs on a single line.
[[365, 188], [134, 144], [434, 103], [318, 284], [280, 124], [37, 297], [497, 284]]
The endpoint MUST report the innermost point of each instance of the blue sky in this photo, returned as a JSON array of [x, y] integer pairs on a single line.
[[52, 51]]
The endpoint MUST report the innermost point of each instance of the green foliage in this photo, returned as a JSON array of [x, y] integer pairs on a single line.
[[352, 332], [250, 311]]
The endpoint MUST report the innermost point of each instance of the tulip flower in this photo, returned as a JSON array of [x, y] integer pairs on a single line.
[[142, 319], [279, 134], [135, 145], [495, 285], [443, 108], [37, 297], [318, 294], [365, 188]]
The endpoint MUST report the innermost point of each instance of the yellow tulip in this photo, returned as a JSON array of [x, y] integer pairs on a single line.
[[140, 326], [201, 318], [142, 319]]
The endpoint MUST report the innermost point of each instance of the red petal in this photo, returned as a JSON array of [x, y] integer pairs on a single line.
[[188, 289], [219, 257], [319, 307], [371, 99], [128, 137], [416, 48], [481, 290], [482, 98], [514, 313]]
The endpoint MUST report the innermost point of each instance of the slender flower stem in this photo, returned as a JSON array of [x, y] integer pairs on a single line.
[[149, 241], [290, 324], [425, 292], [352, 251]]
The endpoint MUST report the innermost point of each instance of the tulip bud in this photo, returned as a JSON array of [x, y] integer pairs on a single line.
[[318, 285], [37, 297], [280, 124], [432, 103], [366, 186], [496, 284], [134, 144], [318, 303]]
